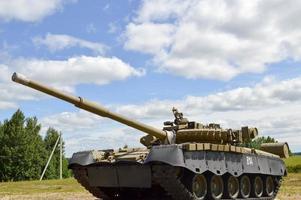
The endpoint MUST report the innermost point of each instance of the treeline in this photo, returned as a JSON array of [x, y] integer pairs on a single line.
[[23, 151], [256, 143]]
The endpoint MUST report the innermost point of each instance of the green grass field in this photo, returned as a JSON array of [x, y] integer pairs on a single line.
[[293, 164], [292, 161]]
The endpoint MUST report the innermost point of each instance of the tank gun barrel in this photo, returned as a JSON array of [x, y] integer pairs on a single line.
[[90, 106]]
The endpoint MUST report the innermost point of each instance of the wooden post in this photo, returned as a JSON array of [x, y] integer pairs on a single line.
[[56, 143], [61, 157]]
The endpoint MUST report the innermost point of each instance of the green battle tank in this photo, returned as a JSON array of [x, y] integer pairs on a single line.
[[185, 160]]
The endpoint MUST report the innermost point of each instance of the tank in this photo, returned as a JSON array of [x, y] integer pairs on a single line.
[[184, 160]]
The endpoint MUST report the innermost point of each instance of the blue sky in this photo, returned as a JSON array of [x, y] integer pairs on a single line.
[[236, 63]]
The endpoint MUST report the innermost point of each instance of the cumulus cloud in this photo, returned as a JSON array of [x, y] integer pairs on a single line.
[[72, 121], [7, 105], [270, 93], [216, 39], [77, 70], [29, 10], [159, 34], [64, 74], [10, 93], [58, 42]]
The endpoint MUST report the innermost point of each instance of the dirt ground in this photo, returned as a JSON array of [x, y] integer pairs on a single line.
[[51, 196], [86, 196]]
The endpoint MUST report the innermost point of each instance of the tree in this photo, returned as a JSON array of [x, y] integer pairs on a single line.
[[23, 152], [256, 143], [53, 168], [36, 152], [21, 149]]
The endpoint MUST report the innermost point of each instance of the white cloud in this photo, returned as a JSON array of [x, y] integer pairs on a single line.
[[77, 70], [29, 10], [269, 93], [64, 74], [72, 121], [58, 42], [216, 39], [7, 105], [10, 93], [149, 37]]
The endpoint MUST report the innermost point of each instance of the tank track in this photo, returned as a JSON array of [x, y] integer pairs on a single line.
[[163, 175], [166, 177], [80, 175]]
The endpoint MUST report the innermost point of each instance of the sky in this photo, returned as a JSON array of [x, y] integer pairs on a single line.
[[235, 62]]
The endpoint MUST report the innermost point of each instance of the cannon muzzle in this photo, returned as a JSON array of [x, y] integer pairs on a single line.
[[90, 107]]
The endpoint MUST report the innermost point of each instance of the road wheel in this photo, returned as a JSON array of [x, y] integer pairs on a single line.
[[269, 186], [232, 187], [258, 186], [245, 186], [216, 187], [199, 187]]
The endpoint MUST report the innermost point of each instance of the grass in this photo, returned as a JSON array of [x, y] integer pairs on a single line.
[[35, 187], [293, 164], [293, 161]]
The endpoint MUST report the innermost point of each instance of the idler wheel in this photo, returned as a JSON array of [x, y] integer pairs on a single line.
[[269, 186], [216, 187], [258, 186], [232, 187], [199, 186], [245, 186]]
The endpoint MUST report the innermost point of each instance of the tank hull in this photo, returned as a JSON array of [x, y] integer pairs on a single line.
[[160, 174]]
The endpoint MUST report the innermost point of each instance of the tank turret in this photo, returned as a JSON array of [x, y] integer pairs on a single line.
[[190, 131], [181, 130]]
